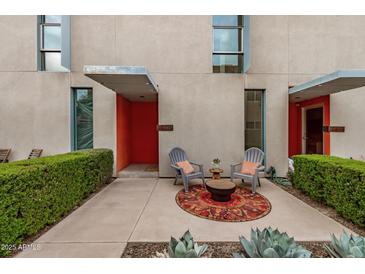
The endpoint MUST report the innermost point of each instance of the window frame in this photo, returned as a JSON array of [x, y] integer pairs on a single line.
[[241, 46], [263, 116], [42, 50], [73, 117]]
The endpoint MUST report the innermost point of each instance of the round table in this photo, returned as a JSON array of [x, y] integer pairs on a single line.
[[221, 190], [216, 173]]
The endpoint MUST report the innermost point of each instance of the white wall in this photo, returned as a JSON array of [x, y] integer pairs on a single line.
[[34, 112], [347, 109]]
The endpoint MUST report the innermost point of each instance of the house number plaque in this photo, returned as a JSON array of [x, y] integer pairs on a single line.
[[165, 127], [333, 129]]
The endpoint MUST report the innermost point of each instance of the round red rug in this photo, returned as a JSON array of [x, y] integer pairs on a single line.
[[241, 208]]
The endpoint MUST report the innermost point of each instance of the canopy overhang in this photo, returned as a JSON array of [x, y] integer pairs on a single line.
[[134, 83], [337, 81]]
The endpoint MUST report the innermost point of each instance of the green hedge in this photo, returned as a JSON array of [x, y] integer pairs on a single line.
[[337, 182], [39, 192]]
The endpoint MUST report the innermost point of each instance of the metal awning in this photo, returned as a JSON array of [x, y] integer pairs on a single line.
[[337, 81], [134, 83]]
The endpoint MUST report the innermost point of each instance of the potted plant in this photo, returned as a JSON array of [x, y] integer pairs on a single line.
[[216, 163]]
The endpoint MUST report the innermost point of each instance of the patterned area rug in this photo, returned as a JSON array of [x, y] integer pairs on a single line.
[[241, 208]]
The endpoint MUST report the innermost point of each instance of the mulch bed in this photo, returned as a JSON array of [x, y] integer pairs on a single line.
[[326, 210], [215, 249]]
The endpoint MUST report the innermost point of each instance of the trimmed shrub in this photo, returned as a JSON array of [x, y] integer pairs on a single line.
[[337, 182], [39, 192]]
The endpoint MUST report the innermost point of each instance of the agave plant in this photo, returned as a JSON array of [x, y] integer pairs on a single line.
[[270, 243], [347, 246], [183, 248]]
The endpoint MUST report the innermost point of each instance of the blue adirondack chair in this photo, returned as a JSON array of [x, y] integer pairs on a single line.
[[178, 155], [254, 155]]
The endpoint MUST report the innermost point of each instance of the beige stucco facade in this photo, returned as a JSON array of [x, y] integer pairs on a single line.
[[347, 109], [206, 109], [290, 50], [321, 45]]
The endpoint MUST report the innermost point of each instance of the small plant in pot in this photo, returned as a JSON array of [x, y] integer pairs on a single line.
[[216, 163], [183, 248]]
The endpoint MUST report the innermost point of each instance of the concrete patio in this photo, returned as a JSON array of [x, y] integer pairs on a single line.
[[144, 210]]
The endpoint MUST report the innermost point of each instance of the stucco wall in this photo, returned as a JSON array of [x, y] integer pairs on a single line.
[[34, 112], [207, 113], [35, 106], [321, 45], [296, 49], [104, 112], [18, 43], [347, 109], [269, 71], [206, 109], [276, 116], [92, 41], [163, 44]]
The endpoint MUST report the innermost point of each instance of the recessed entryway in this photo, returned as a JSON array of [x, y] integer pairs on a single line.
[[307, 120], [313, 130], [137, 138]]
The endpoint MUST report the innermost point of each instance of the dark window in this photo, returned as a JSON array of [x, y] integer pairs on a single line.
[[82, 118], [254, 119], [50, 43], [227, 44]]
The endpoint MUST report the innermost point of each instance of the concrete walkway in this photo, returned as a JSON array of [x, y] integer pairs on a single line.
[[139, 171], [132, 210]]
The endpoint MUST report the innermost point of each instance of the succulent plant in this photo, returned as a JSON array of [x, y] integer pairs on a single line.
[[347, 246], [216, 161], [183, 248], [270, 243]]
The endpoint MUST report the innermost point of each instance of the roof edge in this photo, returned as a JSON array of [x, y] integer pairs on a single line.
[[123, 70], [350, 73]]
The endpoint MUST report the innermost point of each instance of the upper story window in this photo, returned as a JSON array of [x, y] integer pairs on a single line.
[[50, 43], [227, 44]]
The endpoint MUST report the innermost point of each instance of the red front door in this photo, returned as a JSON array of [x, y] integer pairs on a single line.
[[299, 141]]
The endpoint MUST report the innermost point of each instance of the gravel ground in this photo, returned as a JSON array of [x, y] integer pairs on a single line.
[[326, 210], [215, 249]]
